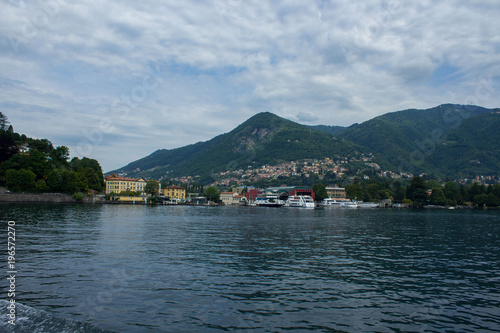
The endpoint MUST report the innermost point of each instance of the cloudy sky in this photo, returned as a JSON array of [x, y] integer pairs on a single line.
[[116, 80]]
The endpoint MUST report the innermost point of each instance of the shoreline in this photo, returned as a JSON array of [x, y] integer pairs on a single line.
[[7, 197], [60, 198]]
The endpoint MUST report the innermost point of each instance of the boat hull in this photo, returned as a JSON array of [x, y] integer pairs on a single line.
[[269, 205]]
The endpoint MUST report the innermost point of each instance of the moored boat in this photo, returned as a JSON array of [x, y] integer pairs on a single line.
[[300, 201], [349, 204], [342, 203], [329, 202], [268, 201]]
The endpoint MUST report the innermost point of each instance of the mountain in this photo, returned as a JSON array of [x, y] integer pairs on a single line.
[[406, 140], [449, 140], [331, 130], [472, 148], [263, 139]]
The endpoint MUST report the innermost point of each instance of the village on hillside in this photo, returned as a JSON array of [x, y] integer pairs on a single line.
[[132, 191], [273, 185]]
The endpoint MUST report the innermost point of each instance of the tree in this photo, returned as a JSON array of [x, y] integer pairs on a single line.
[[43, 145], [212, 193], [372, 190], [18, 162], [41, 186], [496, 190], [3, 122], [437, 197], [399, 191], [463, 193], [152, 187], [475, 189], [383, 194], [90, 177], [83, 183], [92, 172], [433, 184], [319, 191], [452, 193], [60, 156], [417, 191], [62, 180], [20, 180], [486, 200], [354, 190], [8, 146], [38, 163]]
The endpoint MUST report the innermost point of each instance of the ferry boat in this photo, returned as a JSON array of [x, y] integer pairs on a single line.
[[329, 202], [268, 201], [333, 203], [350, 204], [301, 201]]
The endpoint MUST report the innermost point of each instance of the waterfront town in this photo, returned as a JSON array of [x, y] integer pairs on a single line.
[[246, 187], [234, 183], [131, 190]]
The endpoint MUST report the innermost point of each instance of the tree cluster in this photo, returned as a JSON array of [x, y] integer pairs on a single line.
[[375, 189], [39, 167], [212, 194], [421, 192]]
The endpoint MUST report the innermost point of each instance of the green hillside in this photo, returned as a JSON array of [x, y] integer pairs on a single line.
[[263, 139], [331, 130], [471, 149], [401, 140], [447, 141]]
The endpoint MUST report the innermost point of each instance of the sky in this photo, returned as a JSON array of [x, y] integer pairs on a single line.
[[117, 80]]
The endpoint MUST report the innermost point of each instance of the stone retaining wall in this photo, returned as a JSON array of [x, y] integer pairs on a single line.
[[46, 197]]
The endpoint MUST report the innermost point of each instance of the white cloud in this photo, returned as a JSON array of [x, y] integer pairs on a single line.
[[67, 65]]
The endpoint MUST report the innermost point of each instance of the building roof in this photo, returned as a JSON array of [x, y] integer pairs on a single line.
[[288, 188], [113, 178], [174, 187]]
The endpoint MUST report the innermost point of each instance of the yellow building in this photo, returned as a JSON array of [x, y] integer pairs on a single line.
[[336, 192], [140, 184], [175, 192], [119, 184]]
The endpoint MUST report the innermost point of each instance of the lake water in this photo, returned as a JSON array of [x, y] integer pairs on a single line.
[[251, 269]]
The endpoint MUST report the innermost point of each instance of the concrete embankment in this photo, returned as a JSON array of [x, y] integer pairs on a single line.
[[46, 198]]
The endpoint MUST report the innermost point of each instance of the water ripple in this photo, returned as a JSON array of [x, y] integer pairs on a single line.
[[199, 269]]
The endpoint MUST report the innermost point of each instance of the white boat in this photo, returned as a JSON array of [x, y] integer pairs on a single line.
[[268, 201], [301, 201], [334, 203], [329, 202], [349, 204]]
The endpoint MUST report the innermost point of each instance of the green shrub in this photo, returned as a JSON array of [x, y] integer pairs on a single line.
[[78, 196]]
